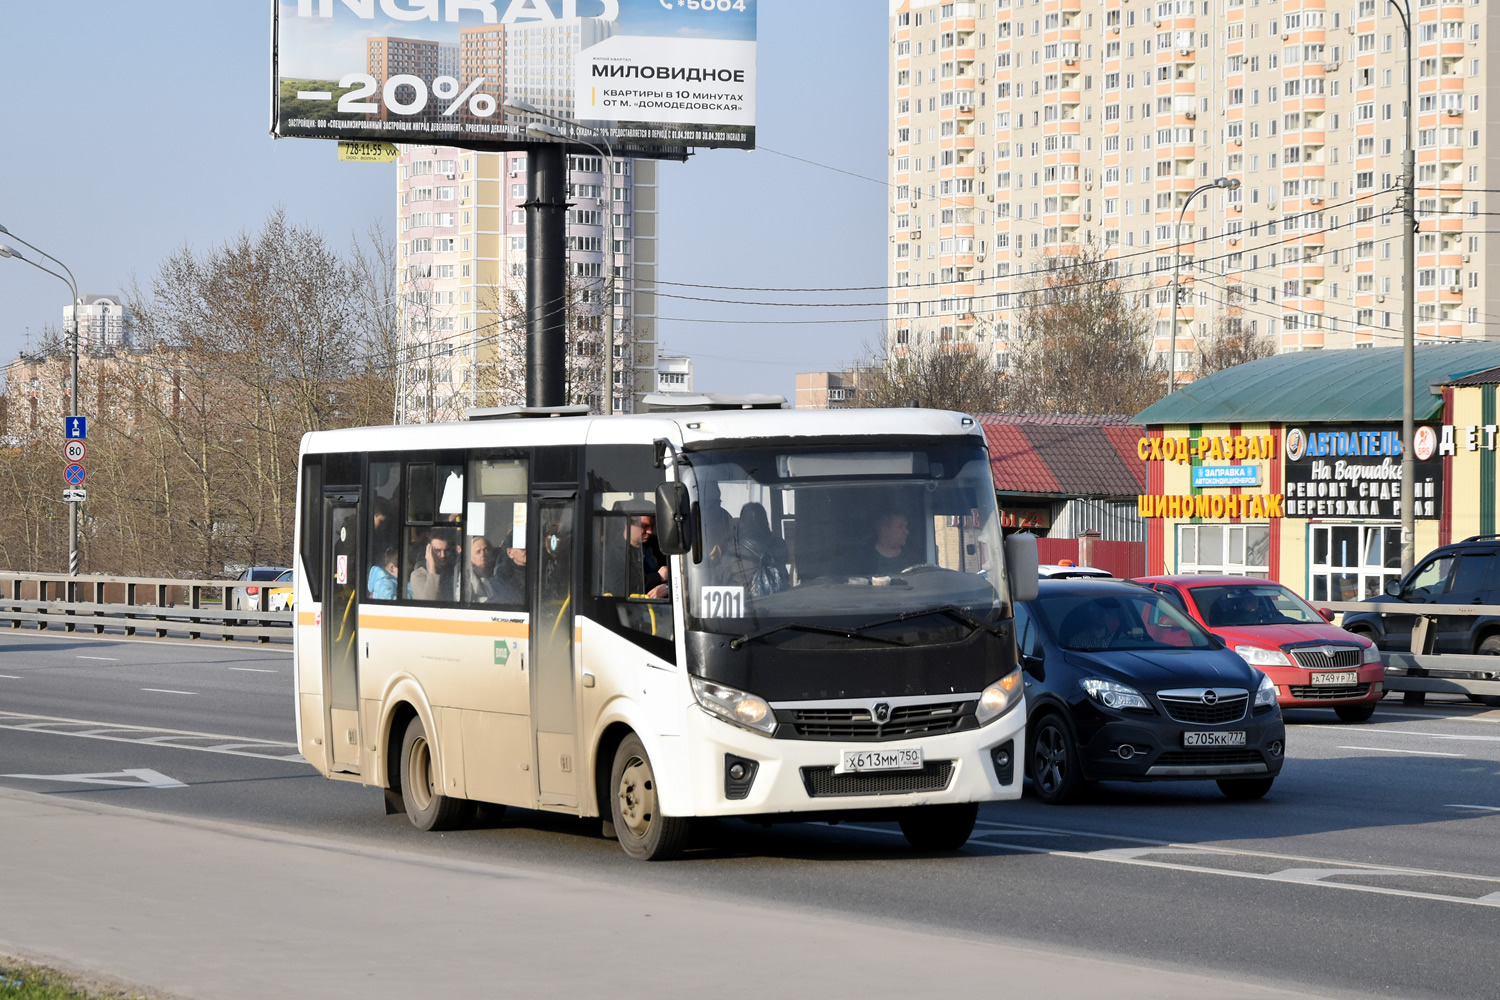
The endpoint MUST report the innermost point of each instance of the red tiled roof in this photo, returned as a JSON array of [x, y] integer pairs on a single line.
[[1074, 456]]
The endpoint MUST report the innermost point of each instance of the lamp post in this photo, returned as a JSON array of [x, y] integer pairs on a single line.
[[1409, 312], [538, 130], [6, 251], [1228, 183]]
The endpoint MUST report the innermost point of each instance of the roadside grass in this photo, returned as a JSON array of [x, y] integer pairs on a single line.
[[24, 981]]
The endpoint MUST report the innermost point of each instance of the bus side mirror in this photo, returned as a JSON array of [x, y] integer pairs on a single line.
[[1021, 562], [674, 528]]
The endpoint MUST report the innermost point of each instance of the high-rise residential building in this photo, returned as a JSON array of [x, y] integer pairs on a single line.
[[1021, 129], [461, 254], [104, 323], [387, 56], [674, 372]]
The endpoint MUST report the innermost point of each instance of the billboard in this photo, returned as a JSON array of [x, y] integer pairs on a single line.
[[651, 77]]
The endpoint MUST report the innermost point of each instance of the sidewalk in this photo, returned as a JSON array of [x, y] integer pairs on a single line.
[[214, 911]]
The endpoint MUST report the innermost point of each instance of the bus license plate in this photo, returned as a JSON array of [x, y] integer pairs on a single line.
[[1342, 677], [907, 759], [1213, 739]]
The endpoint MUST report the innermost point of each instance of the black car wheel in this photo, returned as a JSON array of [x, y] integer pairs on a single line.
[[1490, 646], [1245, 788], [1053, 761]]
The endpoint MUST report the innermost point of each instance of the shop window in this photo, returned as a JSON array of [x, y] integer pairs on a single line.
[[1352, 562], [1228, 549]]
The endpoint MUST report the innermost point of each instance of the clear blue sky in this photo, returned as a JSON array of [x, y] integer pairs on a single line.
[[135, 128]]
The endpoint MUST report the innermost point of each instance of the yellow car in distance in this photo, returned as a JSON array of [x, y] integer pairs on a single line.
[[281, 596]]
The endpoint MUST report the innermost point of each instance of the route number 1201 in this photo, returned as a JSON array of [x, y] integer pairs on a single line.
[[722, 602]]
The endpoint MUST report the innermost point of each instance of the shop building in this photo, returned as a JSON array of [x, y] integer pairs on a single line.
[[1072, 481], [1289, 468]]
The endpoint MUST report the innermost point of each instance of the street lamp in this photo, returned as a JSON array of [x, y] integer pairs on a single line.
[[1409, 310], [539, 131], [6, 251], [1228, 183]]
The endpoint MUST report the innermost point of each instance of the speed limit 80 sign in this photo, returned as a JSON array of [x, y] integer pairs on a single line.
[[73, 451]]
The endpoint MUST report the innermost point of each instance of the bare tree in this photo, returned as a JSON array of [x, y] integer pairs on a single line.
[[1083, 341], [944, 376], [587, 309], [1230, 343]]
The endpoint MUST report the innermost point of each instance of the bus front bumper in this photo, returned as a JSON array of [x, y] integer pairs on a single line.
[[737, 772]]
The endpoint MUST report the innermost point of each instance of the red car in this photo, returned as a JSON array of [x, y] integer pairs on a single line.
[[1313, 663]]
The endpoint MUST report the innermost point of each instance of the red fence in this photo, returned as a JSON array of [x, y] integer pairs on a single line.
[[1123, 559]]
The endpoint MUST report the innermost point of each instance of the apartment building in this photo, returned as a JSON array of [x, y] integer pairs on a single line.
[[104, 323], [461, 253], [1021, 129], [387, 56]]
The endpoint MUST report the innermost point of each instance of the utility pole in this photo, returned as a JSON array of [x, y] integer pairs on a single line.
[[1409, 313], [546, 274]]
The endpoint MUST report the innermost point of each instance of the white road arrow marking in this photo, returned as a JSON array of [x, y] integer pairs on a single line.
[[131, 777]]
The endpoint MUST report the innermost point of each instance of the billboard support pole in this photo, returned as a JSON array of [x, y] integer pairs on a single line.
[[546, 274]]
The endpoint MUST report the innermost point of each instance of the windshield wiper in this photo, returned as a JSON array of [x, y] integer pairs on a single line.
[[858, 631], [846, 633], [953, 611]]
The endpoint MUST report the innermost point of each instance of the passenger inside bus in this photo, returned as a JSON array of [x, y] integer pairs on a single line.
[[509, 583], [756, 559]]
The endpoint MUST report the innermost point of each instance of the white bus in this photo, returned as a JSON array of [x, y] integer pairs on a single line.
[[717, 612]]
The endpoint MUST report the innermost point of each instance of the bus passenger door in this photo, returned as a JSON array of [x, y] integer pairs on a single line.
[[554, 709], [341, 629]]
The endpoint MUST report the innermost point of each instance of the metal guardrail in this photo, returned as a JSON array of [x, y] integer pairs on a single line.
[[1421, 671], [134, 605]]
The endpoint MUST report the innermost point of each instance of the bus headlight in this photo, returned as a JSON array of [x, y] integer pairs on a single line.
[[734, 705], [998, 698]]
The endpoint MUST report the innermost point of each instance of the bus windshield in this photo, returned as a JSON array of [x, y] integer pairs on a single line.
[[843, 535]]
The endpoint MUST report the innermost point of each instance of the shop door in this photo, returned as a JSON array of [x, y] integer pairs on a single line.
[[341, 629], [554, 709]]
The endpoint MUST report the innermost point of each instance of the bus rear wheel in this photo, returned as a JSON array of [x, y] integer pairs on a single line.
[[939, 828], [644, 833], [426, 807]]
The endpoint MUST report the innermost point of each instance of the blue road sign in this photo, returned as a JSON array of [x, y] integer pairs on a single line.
[[75, 428], [74, 474]]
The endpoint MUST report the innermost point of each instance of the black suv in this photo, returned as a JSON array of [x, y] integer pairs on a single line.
[[1466, 572]]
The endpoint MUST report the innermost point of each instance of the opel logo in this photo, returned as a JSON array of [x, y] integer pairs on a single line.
[[1210, 698], [881, 713]]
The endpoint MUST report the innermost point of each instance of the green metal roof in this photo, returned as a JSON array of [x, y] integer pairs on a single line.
[[1344, 386]]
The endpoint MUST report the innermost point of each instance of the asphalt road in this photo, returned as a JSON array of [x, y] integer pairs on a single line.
[[1372, 869]]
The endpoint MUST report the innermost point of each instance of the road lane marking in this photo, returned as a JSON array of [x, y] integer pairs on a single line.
[[1419, 753], [256, 670], [176, 739], [112, 659], [131, 777], [168, 691], [1460, 737], [10, 677], [1460, 805]]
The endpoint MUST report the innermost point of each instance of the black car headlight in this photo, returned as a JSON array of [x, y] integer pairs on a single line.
[[1112, 694], [1266, 693]]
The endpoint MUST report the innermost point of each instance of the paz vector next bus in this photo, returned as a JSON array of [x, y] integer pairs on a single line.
[[727, 610]]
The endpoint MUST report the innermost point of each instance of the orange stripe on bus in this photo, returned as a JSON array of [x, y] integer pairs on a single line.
[[394, 623]]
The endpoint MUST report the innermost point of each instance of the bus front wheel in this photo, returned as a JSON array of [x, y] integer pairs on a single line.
[[426, 807], [939, 828], [643, 832]]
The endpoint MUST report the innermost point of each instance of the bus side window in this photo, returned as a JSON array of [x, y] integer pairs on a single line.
[[434, 509], [383, 553], [495, 534]]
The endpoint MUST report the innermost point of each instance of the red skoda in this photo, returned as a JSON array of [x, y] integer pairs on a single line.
[[1313, 663]]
